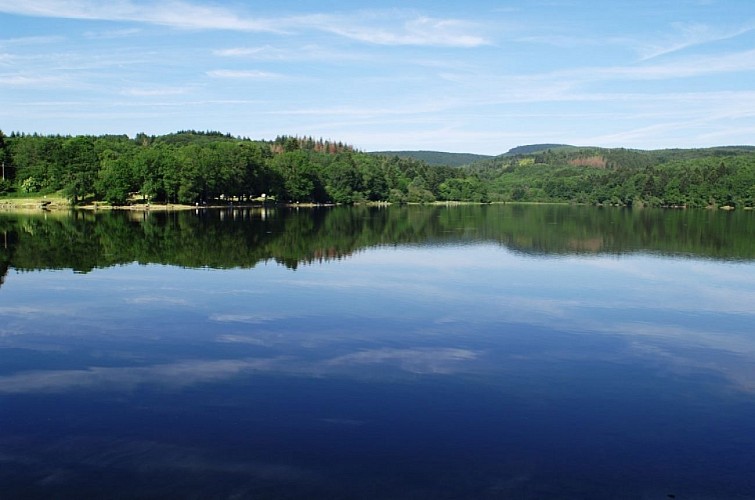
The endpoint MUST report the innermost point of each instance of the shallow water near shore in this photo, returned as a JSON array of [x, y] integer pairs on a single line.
[[391, 352]]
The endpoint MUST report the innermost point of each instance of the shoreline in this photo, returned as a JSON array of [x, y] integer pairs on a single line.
[[36, 204]]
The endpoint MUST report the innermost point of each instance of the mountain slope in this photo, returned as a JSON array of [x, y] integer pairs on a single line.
[[534, 148], [436, 157]]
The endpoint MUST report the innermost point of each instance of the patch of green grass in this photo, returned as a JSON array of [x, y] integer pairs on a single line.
[[30, 200]]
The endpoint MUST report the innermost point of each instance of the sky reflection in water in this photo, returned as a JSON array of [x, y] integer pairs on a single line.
[[460, 371]]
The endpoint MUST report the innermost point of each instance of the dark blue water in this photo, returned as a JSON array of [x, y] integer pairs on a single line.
[[422, 371]]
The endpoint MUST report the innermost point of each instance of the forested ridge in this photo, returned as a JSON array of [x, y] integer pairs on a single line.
[[436, 157], [722, 176], [204, 167]]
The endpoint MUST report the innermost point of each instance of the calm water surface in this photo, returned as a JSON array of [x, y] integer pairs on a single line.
[[461, 352]]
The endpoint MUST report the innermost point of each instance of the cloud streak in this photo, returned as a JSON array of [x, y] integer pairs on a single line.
[[25, 80], [685, 68], [230, 74], [687, 35], [393, 28], [155, 92], [382, 78], [414, 30], [177, 14]]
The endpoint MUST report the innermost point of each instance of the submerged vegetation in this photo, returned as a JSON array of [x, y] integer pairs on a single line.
[[192, 167]]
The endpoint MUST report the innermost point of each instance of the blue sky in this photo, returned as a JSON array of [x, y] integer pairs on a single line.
[[479, 76]]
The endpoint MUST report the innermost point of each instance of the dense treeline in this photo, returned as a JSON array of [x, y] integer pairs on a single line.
[[437, 157], [197, 167], [664, 178], [201, 167]]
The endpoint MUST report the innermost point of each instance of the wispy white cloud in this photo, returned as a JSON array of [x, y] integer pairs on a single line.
[[394, 28], [264, 52], [155, 91], [371, 27], [723, 135], [575, 84], [385, 78], [637, 134], [31, 40], [308, 52], [429, 136], [563, 41], [243, 74], [687, 35], [110, 34], [367, 111], [713, 127], [683, 68], [173, 13], [24, 80], [680, 37]]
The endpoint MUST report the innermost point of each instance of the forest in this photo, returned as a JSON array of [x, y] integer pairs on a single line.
[[190, 167]]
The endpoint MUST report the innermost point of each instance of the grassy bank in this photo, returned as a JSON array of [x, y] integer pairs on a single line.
[[48, 202]]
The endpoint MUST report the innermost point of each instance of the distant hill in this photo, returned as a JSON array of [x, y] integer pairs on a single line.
[[562, 155], [534, 148], [436, 157], [567, 149]]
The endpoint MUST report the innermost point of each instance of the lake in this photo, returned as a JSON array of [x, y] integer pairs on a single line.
[[504, 351]]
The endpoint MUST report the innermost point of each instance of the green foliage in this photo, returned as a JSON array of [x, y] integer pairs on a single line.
[[29, 185], [435, 158], [5, 164], [664, 178], [115, 179], [534, 148], [464, 189], [203, 167], [300, 180], [418, 191], [343, 181]]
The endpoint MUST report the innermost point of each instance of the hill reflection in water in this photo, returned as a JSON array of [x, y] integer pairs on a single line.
[[244, 237], [396, 352]]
